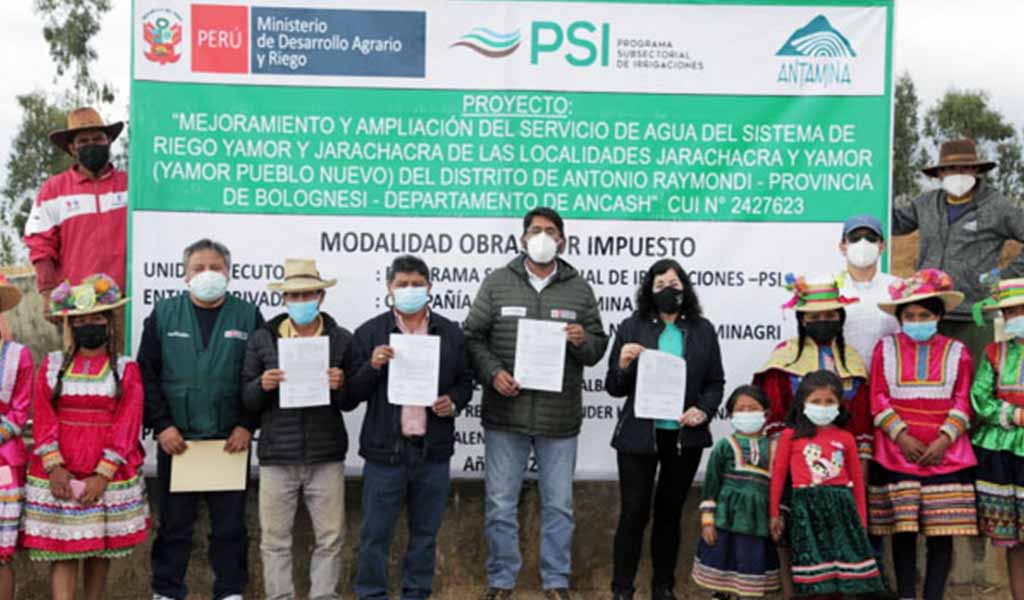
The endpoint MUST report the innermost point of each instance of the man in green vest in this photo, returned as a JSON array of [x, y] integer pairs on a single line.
[[191, 355]]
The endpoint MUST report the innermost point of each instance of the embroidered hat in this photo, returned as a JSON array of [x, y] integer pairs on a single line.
[[97, 293], [10, 295], [301, 275], [926, 283], [816, 296], [1005, 293], [959, 153], [84, 119]]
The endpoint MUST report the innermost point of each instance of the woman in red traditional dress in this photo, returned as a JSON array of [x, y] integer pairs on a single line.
[[85, 498]]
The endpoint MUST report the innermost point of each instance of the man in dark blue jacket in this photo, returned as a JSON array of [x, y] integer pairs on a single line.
[[407, 448]]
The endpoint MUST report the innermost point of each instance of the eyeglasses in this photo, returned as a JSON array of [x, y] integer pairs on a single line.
[[856, 236]]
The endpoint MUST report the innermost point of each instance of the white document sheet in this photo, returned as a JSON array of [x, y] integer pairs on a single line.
[[660, 386], [305, 362], [414, 371], [540, 355]]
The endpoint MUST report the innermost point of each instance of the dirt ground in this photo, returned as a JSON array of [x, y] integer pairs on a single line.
[[962, 592]]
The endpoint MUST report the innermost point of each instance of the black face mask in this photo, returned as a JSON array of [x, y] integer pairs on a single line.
[[669, 301], [90, 337], [823, 332], [94, 156]]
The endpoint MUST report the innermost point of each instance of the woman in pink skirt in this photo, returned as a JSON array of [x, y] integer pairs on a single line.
[[85, 499]]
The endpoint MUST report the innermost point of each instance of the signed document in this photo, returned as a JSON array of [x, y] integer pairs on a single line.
[[540, 355], [660, 386], [414, 371], [305, 363]]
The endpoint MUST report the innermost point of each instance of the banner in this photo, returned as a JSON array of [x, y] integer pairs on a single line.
[[732, 137]]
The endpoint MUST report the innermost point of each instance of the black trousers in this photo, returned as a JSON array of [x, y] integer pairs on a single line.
[[938, 562], [674, 469], [229, 540]]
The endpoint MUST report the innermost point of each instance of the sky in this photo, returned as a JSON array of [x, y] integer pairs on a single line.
[[943, 44]]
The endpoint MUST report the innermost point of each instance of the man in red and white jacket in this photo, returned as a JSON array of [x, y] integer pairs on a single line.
[[78, 224]]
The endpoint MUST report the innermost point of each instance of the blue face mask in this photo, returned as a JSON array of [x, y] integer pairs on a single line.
[[409, 300], [921, 331], [303, 313], [1015, 327]]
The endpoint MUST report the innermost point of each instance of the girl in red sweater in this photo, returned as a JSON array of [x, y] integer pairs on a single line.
[[827, 517]]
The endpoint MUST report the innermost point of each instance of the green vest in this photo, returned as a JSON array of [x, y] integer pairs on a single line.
[[203, 385]]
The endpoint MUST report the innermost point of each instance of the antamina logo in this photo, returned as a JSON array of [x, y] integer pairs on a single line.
[[490, 43], [161, 29], [818, 55]]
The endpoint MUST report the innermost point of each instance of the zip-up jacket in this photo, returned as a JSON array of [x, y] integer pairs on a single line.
[[506, 296], [295, 436], [381, 437], [705, 381], [78, 227], [971, 245]]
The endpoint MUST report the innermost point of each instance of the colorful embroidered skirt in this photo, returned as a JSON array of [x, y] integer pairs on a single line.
[[1000, 485], [738, 564], [830, 550], [11, 496], [63, 530], [935, 505]]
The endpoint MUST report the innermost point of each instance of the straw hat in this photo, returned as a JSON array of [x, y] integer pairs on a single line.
[[83, 119], [926, 283], [816, 296], [10, 295], [1005, 293], [959, 153], [301, 275], [97, 293]]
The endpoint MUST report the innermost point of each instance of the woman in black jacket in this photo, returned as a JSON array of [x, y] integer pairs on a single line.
[[668, 318]]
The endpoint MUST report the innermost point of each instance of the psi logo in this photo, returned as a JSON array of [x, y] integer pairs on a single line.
[[491, 44]]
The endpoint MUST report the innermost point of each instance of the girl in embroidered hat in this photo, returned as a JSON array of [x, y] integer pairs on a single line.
[[819, 306], [84, 495], [16, 368], [921, 479], [997, 397], [819, 345]]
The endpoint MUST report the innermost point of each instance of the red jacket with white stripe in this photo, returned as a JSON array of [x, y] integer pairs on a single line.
[[78, 226]]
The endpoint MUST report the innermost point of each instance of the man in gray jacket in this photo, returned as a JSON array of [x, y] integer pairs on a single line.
[[535, 285], [964, 225]]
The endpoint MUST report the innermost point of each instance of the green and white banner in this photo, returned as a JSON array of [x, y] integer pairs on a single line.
[[734, 137]]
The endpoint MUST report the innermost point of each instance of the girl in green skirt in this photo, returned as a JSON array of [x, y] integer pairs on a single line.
[[827, 519]]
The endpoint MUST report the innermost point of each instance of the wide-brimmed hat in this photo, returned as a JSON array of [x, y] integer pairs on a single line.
[[816, 295], [83, 119], [1005, 293], [959, 153], [926, 283], [10, 295], [95, 294], [301, 275]]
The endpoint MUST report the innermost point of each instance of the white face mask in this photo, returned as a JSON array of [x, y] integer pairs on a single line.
[[958, 185], [748, 422], [862, 254], [208, 286], [542, 248]]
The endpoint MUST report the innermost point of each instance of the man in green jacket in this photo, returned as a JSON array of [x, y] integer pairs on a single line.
[[535, 285], [191, 355], [964, 225]]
